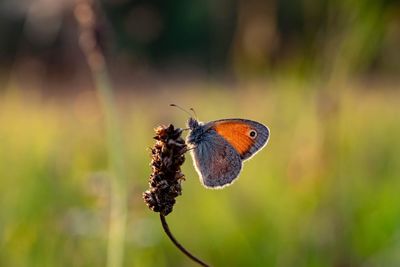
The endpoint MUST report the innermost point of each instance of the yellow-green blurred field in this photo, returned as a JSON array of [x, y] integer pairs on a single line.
[[324, 192]]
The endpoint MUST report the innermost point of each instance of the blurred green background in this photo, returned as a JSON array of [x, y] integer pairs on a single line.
[[74, 137]]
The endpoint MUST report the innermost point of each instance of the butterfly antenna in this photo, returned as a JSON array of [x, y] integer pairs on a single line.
[[194, 112], [184, 110]]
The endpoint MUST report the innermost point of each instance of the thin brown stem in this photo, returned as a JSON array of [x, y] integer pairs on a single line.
[[177, 244]]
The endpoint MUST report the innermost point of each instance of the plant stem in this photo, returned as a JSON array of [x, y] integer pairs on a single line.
[[86, 17], [177, 244], [118, 181]]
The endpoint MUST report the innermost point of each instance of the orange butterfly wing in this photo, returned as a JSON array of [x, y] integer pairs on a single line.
[[236, 134]]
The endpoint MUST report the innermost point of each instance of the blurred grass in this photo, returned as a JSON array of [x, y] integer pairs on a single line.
[[324, 192]]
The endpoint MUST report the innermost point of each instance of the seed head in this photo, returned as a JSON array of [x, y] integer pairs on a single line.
[[167, 156]]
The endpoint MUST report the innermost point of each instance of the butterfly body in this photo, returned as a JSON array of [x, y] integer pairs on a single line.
[[220, 147]]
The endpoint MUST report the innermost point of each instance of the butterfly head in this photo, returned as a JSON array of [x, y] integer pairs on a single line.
[[192, 123], [196, 131]]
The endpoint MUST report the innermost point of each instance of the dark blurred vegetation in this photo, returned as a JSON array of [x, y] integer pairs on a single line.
[[228, 38], [323, 75]]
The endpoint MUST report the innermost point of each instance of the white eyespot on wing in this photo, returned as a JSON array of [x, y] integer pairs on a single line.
[[252, 133]]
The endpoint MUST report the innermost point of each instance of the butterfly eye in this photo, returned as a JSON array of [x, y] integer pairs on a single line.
[[252, 134]]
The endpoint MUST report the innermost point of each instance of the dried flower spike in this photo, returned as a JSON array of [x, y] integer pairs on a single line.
[[165, 179], [167, 157]]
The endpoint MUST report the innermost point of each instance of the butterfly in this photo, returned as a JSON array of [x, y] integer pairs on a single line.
[[218, 148]]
